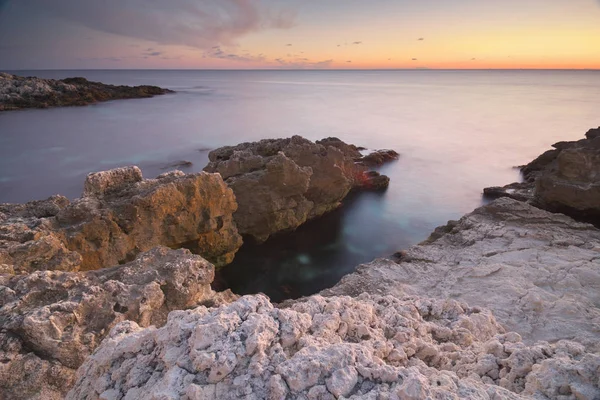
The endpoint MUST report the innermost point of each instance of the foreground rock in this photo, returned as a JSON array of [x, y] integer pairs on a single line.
[[120, 215], [565, 180], [538, 272], [281, 183], [370, 347], [51, 321], [18, 92]]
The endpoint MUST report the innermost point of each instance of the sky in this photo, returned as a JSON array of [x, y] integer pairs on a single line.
[[294, 34]]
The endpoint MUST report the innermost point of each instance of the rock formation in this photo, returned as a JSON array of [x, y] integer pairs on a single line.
[[565, 180], [120, 215], [537, 271], [281, 183], [369, 347], [51, 321], [18, 92]]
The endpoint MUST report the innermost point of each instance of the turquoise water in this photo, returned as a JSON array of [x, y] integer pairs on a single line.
[[457, 132]]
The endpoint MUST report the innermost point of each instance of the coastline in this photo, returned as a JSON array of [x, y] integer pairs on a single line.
[[18, 93], [370, 335]]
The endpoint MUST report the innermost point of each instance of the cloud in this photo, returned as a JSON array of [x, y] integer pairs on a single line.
[[414, 59], [152, 53], [288, 45], [303, 63], [349, 61], [217, 52], [421, 38], [357, 43], [194, 23]]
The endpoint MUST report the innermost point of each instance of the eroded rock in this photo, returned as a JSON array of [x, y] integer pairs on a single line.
[[369, 347], [51, 321], [19, 92], [537, 271], [565, 179], [120, 215], [281, 183]]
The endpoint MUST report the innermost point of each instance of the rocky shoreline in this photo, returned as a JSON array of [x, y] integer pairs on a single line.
[[502, 304], [30, 92]]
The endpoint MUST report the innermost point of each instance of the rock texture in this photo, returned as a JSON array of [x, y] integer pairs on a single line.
[[369, 347], [120, 215], [537, 271], [281, 183], [18, 92], [50, 321], [565, 180]]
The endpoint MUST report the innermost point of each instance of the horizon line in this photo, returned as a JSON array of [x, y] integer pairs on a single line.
[[301, 69]]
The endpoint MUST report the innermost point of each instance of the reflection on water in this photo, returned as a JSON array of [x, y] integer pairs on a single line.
[[456, 131], [317, 254]]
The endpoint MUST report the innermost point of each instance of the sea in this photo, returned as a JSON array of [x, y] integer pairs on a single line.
[[456, 131]]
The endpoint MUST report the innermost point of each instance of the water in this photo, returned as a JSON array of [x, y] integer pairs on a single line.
[[457, 132]]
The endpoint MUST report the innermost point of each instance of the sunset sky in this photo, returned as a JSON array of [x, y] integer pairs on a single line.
[[240, 34]]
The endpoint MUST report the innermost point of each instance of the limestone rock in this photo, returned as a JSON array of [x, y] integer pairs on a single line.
[[369, 347], [119, 216], [19, 92], [114, 222], [28, 241], [565, 179], [537, 271], [281, 183], [378, 158], [572, 184], [50, 321]]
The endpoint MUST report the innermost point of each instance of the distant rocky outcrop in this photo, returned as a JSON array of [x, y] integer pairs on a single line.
[[19, 92], [281, 183], [368, 347], [51, 321], [120, 215], [565, 179]]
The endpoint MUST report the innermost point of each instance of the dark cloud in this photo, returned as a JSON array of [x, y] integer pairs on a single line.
[[356, 42], [195, 23], [421, 38], [349, 61], [288, 45], [414, 59], [113, 59]]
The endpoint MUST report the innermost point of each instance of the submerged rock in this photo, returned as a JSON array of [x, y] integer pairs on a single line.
[[281, 183], [120, 215], [369, 347], [51, 321], [18, 92]]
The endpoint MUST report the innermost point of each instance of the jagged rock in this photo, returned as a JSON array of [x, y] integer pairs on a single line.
[[378, 158], [370, 347], [50, 321], [572, 184], [28, 241], [521, 191], [373, 180], [565, 180], [281, 183], [18, 92], [119, 216], [537, 271]]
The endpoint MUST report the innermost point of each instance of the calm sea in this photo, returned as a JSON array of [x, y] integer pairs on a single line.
[[457, 132]]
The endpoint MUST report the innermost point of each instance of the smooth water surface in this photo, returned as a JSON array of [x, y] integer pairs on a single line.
[[457, 132]]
